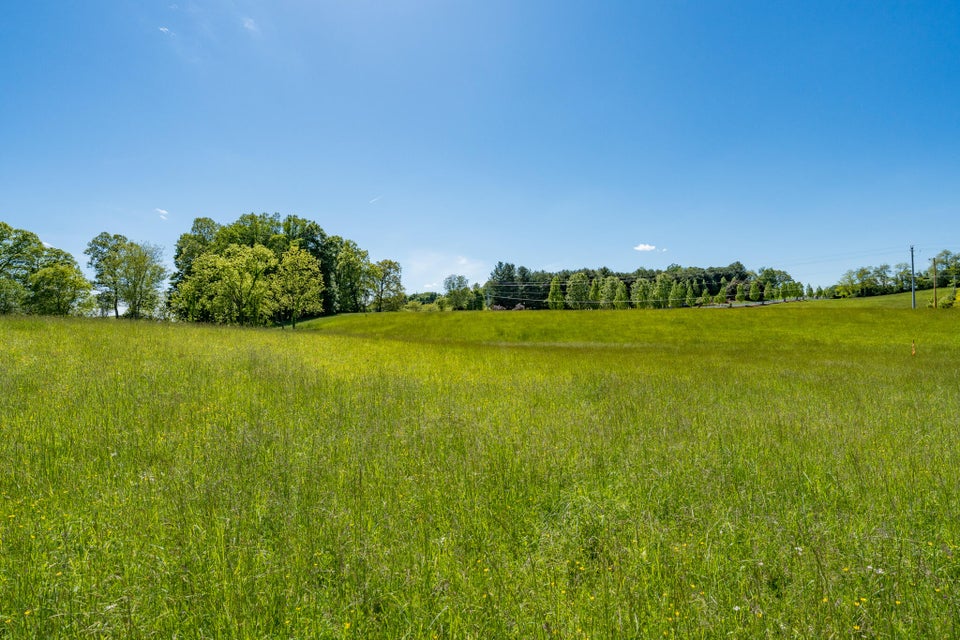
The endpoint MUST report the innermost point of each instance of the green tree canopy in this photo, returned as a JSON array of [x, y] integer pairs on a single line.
[[620, 295], [352, 277], [20, 254], [298, 285], [741, 294], [578, 291], [192, 245], [35, 278], [457, 291], [387, 286], [106, 260], [347, 279], [57, 289], [127, 273], [594, 294], [502, 286], [555, 298], [142, 275], [232, 287]]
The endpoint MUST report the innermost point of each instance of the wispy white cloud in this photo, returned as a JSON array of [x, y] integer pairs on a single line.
[[645, 247], [162, 213], [165, 30], [375, 199], [251, 25]]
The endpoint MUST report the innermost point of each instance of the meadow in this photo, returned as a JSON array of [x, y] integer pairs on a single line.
[[780, 471]]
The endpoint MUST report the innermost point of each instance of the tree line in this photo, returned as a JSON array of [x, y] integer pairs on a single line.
[[263, 269], [942, 272], [260, 269], [35, 278], [513, 287]]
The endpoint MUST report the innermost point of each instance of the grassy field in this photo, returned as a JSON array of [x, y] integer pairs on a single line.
[[784, 471], [896, 300]]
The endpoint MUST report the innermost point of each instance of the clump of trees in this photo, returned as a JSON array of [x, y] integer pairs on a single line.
[[38, 279], [257, 270], [262, 269], [942, 272], [35, 278], [127, 274], [511, 287]]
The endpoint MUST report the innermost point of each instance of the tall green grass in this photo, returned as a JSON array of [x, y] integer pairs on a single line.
[[778, 471], [897, 300]]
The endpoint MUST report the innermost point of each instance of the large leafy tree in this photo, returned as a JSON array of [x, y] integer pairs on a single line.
[[620, 297], [312, 239], [35, 278], [20, 254], [298, 284], [245, 285], [352, 277], [457, 291], [884, 277], [142, 275], [555, 296], [613, 293], [640, 293], [594, 294], [387, 286], [232, 287], [192, 245], [660, 296], [11, 295], [253, 229], [106, 258], [948, 264], [58, 288], [689, 297], [127, 273], [676, 296], [578, 291], [20, 250], [345, 279]]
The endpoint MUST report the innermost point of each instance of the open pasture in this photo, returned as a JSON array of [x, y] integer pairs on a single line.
[[785, 471]]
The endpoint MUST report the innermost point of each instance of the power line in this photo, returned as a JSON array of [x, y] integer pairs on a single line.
[[628, 278]]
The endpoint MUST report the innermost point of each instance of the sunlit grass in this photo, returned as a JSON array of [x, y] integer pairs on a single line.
[[894, 301], [699, 473]]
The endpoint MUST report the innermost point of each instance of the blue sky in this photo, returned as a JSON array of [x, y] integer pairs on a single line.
[[808, 136]]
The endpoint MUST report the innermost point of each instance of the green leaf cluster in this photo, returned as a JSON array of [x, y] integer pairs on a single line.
[[128, 274], [38, 279], [263, 269]]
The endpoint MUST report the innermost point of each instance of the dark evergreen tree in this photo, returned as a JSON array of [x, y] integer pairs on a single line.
[[502, 286]]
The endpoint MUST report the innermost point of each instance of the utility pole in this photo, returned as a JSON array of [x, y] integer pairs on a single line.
[[913, 280]]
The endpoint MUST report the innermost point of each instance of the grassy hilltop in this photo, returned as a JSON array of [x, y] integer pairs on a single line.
[[772, 471]]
